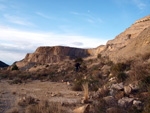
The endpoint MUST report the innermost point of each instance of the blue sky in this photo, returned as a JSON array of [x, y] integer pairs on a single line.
[[28, 24]]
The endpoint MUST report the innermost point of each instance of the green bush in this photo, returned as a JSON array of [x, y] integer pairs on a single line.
[[145, 84], [4, 76], [133, 109], [15, 67], [121, 77], [146, 80], [24, 76], [146, 105], [78, 84], [99, 56], [119, 67], [79, 59], [93, 83], [100, 107], [16, 81]]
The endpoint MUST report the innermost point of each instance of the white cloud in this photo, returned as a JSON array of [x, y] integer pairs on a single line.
[[43, 15], [88, 17], [16, 43], [90, 20], [140, 4], [75, 13], [18, 20], [78, 43]]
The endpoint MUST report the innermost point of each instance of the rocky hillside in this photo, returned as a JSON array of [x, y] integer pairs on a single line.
[[132, 41], [45, 55], [2, 64]]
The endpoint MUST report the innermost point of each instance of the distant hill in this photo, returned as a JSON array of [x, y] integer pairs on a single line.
[[45, 55], [2, 64], [134, 40]]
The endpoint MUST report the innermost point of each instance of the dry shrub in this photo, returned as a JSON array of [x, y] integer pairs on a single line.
[[119, 67], [103, 91], [13, 110], [86, 91], [96, 74], [16, 81], [77, 86], [100, 106], [146, 56], [138, 71], [44, 107], [121, 77], [25, 101]]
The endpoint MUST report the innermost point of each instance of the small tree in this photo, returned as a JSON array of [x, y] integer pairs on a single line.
[[79, 59], [15, 67], [99, 56]]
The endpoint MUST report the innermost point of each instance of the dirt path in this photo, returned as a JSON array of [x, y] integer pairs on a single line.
[[7, 100], [51, 91]]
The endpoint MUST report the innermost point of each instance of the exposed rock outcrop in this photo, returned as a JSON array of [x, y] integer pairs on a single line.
[[134, 40], [44, 55]]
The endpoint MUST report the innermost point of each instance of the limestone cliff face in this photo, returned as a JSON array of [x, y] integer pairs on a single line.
[[117, 48], [44, 55]]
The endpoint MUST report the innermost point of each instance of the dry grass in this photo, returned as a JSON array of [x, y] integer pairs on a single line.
[[146, 56], [86, 92], [13, 110], [103, 91], [44, 107], [138, 71], [25, 101]]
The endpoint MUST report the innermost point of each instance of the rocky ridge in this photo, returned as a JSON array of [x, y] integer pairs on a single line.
[[129, 41], [134, 40], [45, 55]]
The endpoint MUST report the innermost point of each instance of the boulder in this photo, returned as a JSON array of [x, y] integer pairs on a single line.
[[134, 87], [119, 95], [125, 102], [127, 90], [119, 86], [113, 80], [114, 110], [68, 83], [83, 109], [138, 104], [113, 92], [110, 100]]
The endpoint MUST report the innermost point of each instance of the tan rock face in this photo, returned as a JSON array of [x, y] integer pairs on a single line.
[[44, 55], [83, 109], [129, 43]]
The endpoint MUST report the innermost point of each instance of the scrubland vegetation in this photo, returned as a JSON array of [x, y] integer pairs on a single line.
[[122, 87]]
